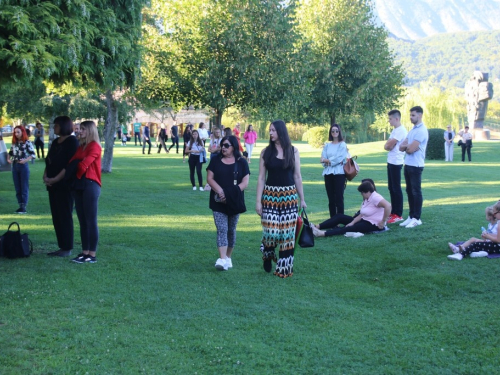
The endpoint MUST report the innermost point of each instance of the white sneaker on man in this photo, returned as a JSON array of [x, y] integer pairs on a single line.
[[194, 187], [202, 189], [456, 257], [413, 223], [405, 223], [221, 264], [478, 254]]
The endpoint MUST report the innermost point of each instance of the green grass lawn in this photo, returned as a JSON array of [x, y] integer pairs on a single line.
[[389, 303]]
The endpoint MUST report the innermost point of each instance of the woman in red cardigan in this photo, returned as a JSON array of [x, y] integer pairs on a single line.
[[86, 189]]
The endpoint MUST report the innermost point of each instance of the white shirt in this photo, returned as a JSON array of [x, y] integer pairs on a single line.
[[395, 156]]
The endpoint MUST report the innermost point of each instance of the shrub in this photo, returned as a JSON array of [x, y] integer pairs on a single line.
[[435, 146], [317, 136]]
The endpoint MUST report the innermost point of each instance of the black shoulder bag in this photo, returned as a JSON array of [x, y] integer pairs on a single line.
[[13, 244]]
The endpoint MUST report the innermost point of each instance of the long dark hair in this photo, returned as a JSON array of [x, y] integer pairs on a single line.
[[286, 145], [192, 141], [330, 137], [234, 142]]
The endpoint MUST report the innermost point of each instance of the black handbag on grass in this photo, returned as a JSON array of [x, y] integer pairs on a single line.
[[306, 237], [13, 244]]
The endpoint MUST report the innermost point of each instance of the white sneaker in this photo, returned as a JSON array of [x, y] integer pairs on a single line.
[[354, 234], [229, 263], [455, 257], [479, 254], [406, 222], [201, 189], [413, 223], [221, 264], [454, 249], [194, 187]]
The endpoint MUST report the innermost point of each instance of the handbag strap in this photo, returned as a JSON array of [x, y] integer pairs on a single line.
[[235, 172], [11, 224]]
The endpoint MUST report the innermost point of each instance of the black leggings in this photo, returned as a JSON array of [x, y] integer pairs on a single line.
[[194, 162], [361, 226], [333, 222], [39, 146], [465, 148]]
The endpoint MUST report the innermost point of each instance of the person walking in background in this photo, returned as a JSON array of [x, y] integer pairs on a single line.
[[21, 152], [162, 139], [333, 158], [137, 131], [449, 135], [466, 142], [146, 138], [279, 186], [61, 200], [228, 176], [174, 136], [187, 137], [237, 132], [39, 141], [414, 145], [250, 137], [195, 149], [86, 189], [395, 159]]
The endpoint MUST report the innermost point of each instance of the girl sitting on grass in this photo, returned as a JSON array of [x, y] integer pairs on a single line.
[[489, 244], [492, 229]]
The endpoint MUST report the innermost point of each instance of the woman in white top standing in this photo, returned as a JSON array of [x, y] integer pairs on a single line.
[[195, 149], [333, 158], [202, 130], [448, 143]]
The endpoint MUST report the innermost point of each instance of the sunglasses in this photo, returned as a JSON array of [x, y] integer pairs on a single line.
[[226, 145], [335, 131]]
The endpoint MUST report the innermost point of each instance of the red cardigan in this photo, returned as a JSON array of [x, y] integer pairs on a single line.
[[90, 162]]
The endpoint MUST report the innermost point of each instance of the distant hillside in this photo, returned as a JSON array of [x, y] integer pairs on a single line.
[[450, 58], [417, 19]]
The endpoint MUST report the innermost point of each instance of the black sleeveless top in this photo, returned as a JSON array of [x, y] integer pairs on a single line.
[[276, 175]]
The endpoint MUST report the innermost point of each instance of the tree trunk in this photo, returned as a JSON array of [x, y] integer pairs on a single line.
[[109, 132], [332, 119], [218, 117]]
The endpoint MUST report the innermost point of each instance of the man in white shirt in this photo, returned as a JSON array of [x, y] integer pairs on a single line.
[[395, 159], [415, 145]]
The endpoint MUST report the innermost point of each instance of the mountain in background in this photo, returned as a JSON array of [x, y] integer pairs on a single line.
[[450, 59], [415, 19]]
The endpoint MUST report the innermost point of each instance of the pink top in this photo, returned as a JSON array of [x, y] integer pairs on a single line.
[[250, 137], [370, 211]]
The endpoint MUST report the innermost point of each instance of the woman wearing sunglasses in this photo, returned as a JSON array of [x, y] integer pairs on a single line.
[[333, 158], [279, 187], [227, 175]]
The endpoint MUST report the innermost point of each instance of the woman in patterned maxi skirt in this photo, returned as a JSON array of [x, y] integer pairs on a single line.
[[279, 188]]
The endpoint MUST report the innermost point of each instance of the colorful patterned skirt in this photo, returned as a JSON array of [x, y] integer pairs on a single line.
[[279, 218]]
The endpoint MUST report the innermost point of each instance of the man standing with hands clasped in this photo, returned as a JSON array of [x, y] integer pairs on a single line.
[[395, 159], [414, 145]]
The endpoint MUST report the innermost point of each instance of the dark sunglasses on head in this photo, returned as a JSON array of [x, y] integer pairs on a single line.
[[226, 145]]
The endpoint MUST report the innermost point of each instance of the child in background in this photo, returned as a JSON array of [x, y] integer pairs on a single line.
[[124, 139], [492, 229]]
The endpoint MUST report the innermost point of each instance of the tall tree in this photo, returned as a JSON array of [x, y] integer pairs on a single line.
[[352, 70], [229, 53], [94, 43]]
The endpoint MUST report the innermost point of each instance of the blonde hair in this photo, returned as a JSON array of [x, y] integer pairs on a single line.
[[92, 134]]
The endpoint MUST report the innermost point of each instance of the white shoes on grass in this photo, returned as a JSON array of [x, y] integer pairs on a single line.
[[476, 254], [223, 264], [411, 223], [354, 234]]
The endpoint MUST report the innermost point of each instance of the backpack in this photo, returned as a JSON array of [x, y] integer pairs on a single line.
[[13, 244]]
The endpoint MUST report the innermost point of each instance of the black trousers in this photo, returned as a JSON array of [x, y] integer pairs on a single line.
[[464, 149], [175, 142], [148, 141], [194, 163], [335, 184], [61, 207]]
